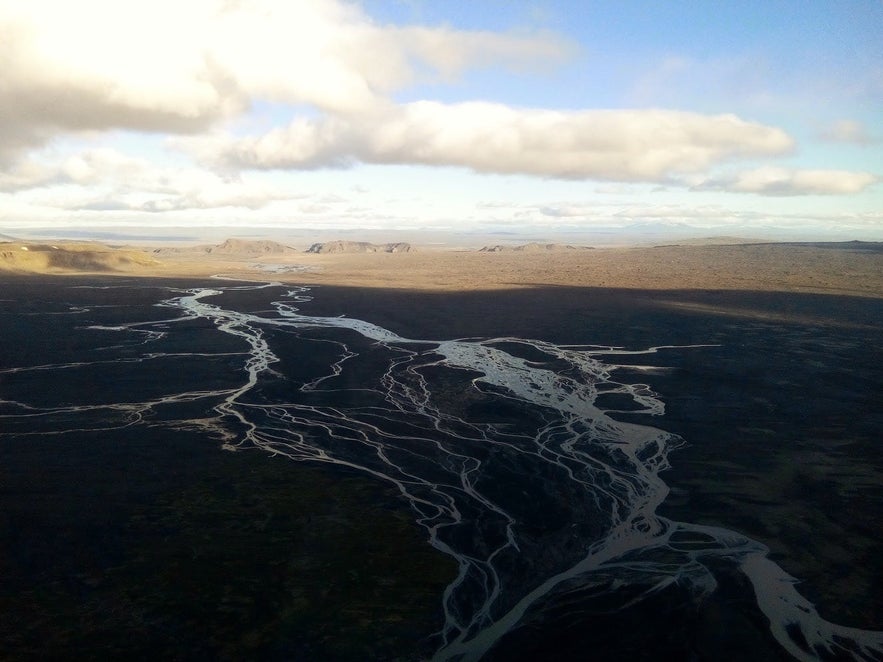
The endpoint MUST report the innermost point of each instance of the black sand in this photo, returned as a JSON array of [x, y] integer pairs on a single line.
[[147, 543]]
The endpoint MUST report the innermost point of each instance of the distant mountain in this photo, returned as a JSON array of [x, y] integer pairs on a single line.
[[532, 247], [6, 237], [231, 248], [340, 246], [251, 247]]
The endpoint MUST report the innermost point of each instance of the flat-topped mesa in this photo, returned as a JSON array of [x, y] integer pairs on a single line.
[[532, 247], [340, 246], [244, 248], [251, 247]]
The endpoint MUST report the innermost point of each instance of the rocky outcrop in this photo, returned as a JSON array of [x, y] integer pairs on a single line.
[[340, 246], [246, 248], [251, 248], [532, 247]]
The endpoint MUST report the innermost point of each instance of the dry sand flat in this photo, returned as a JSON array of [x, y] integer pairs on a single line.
[[850, 268], [766, 267]]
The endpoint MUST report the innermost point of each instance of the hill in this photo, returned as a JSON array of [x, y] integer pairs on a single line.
[[245, 248], [340, 246], [24, 257]]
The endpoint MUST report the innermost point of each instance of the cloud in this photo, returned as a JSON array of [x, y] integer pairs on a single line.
[[87, 168], [847, 131], [567, 210], [620, 145], [97, 64], [180, 67], [785, 182], [675, 79], [617, 213], [591, 214], [329, 54], [126, 183], [450, 52], [95, 72], [235, 195]]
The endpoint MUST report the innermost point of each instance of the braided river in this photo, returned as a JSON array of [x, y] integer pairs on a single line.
[[521, 459]]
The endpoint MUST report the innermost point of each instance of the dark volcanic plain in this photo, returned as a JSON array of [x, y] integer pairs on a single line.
[[150, 543]]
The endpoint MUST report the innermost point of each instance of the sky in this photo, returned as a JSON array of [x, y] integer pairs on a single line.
[[751, 118]]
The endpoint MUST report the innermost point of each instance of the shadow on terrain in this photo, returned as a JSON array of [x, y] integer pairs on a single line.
[[149, 543], [781, 414]]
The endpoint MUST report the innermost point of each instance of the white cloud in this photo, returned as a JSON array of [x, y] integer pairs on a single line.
[[98, 64], [847, 131], [179, 67], [104, 179], [785, 181], [87, 168], [617, 214], [569, 210], [590, 215], [675, 79], [621, 145], [100, 72]]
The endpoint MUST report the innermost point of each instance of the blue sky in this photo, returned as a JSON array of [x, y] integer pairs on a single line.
[[750, 118]]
